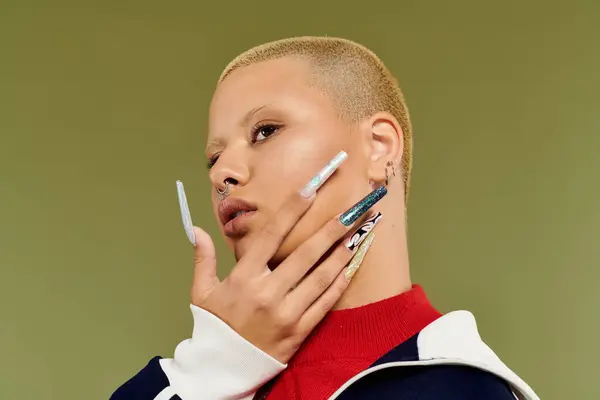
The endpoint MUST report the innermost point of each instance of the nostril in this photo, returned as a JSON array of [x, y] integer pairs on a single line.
[[231, 181]]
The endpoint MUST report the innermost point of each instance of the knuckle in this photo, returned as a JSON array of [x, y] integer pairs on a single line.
[[328, 302], [284, 319], [264, 301], [332, 296], [306, 252], [200, 259], [333, 230], [322, 280], [271, 229], [235, 279], [198, 295]]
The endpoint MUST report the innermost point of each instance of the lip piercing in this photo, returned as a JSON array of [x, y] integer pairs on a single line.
[[222, 194]]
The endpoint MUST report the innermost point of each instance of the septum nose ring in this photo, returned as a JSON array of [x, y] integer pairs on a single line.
[[223, 193]]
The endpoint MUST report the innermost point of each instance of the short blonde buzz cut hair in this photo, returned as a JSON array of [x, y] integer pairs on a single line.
[[357, 81]]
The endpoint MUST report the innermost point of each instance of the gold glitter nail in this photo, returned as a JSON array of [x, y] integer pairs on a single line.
[[358, 258]]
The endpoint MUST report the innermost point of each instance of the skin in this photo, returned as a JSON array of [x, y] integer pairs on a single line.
[[307, 133]]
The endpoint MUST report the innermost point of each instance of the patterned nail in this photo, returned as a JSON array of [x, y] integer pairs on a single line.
[[357, 210], [319, 179], [185, 213], [362, 232], [358, 258]]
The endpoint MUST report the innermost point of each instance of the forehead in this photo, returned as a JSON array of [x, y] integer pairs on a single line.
[[282, 83]]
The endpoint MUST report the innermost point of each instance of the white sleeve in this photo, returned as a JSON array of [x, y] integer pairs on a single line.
[[217, 363]]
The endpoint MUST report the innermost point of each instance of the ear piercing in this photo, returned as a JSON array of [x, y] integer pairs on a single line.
[[389, 165]]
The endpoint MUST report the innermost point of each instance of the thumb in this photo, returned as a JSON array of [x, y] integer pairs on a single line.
[[205, 267]]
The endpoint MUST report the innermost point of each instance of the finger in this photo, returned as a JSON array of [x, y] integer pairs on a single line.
[[324, 303], [309, 253], [319, 280], [205, 267], [317, 311], [274, 232]]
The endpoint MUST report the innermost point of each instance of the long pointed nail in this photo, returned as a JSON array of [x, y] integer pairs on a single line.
[[357, 210], [185, 213], [358, 258], [361, 233], [319, 179]]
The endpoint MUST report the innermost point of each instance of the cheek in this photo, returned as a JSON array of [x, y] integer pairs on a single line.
[[284, 166], [290, 170], [290, 164]]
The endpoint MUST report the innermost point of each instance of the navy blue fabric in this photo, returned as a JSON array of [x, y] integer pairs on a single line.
[[145, 385], [406, 351], [439, 382]]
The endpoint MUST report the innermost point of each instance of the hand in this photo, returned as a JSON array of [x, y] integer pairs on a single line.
[[276, 310]]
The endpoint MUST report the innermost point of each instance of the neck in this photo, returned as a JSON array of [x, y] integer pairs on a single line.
[[385, 271]]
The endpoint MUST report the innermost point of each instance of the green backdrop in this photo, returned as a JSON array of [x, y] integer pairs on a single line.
[[103, 106]]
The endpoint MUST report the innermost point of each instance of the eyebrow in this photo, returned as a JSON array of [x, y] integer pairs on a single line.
[[250, 114], [213, 143]]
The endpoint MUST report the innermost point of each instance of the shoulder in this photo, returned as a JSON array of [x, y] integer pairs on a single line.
[[461, 382], [449, 382]]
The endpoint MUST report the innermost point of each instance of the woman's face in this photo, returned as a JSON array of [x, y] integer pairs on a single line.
[[269, 133]]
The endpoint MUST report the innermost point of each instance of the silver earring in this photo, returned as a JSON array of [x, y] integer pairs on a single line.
[[388, 165], [222, 194]]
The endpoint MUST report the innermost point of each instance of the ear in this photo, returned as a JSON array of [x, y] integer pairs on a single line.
[[386, 144]]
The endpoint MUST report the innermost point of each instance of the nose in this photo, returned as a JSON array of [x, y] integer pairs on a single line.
[[231, 168]]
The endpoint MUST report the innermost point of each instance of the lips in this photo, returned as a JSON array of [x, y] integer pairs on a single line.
[[232, 213]]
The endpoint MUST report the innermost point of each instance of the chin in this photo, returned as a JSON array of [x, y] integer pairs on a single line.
[[295, 238], [241, 246]]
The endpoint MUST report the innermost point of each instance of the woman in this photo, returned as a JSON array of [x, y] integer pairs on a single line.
[[287, 323]]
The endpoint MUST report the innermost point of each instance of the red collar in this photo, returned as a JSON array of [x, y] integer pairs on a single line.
[[367, 332]]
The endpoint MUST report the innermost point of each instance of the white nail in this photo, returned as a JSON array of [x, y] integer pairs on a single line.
[[319, 179], [361, 233], [185, 213]]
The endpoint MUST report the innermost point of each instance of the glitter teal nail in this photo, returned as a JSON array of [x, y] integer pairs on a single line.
[[363, 206]]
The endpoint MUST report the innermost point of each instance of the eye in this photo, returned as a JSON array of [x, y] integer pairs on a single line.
[[264, 131], [212, 160]]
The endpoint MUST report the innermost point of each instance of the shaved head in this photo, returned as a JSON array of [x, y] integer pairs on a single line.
[[356, 80]]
